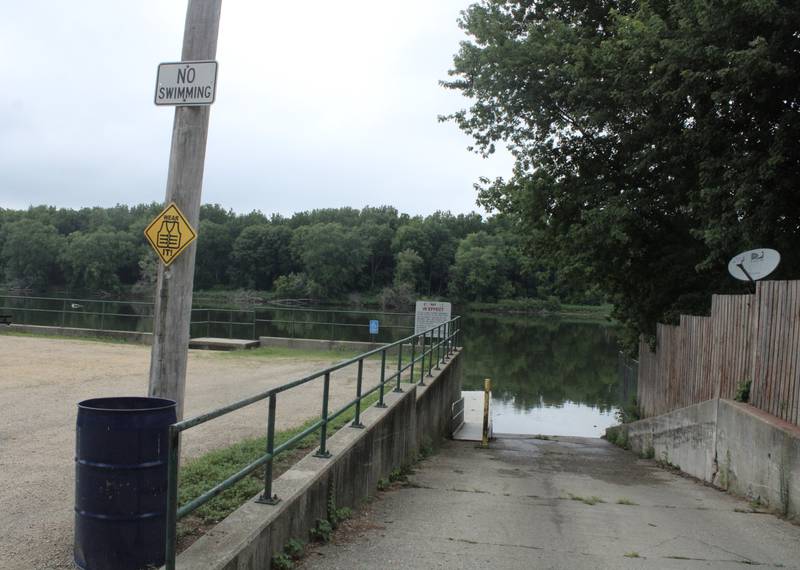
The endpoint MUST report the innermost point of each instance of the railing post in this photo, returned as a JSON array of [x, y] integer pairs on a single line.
[[323, 433], [446, 342], [267, 498], [413, 358], [422, 362], [254, 325], [438, 346], [208, 322], [172, 498], [357, 420], [487, 393], [399, 366], [230, 324], [381, 403], [430, 357], [102, 315], [63, 312]]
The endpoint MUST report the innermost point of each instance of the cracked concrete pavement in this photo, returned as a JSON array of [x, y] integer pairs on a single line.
[[568, 503]]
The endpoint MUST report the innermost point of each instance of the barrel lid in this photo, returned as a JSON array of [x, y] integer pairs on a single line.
[[127, 404]]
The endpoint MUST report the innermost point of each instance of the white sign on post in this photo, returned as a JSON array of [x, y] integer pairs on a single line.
[[430, 314], [186, 83]]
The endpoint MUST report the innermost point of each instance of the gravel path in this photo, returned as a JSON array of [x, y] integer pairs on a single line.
[[43, 379]]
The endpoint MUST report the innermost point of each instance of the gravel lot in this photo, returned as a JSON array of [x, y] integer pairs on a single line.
[[41, 381]]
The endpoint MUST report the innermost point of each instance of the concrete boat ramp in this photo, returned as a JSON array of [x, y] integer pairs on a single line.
[[472, 427], [213, 343], [568, 503]]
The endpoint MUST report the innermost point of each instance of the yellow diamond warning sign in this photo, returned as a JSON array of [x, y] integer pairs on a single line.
[[170, 233]]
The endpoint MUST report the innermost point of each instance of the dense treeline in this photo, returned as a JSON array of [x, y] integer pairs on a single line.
[[319, 254], [653, 139]]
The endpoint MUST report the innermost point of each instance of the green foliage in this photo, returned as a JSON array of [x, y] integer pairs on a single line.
[[383, 484], [331, 255], [293, 286], [322, 531], [282, 561], [425, 448], [652, 140], [327, 254], [628, 413], [202, 473], [99, 260], [743, 391], [342, 514], [30, 252], [483, 269], [398, 298], [541, 306], [408, 269], [260, 254], [214, 242], [294, 548]]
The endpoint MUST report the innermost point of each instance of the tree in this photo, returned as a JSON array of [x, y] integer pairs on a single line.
[[408, 269], [482, 269], [30, 253], [331, 255], [99, 260], [260, 254], [652, 139], [214, 247]]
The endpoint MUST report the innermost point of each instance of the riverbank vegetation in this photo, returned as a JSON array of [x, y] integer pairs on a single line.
[[340, 255], [652, 140]]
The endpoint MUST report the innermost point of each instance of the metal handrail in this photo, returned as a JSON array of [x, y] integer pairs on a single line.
[[97, 310], [448, 337]]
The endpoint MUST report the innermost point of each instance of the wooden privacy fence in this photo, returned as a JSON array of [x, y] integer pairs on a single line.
[[751, 338]]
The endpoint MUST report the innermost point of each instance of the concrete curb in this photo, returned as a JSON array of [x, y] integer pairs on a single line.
[[728, 444], [254, 533]]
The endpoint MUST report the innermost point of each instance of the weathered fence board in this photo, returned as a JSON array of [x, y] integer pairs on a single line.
[[747, 338]]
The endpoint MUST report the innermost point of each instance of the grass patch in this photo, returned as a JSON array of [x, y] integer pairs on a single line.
[[199, 475], [632, 555], [591, 501], [107, 340], [331, 356], [549, 306], [624, 501], [282, 352]]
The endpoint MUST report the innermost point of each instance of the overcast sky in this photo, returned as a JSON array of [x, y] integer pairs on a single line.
[[319, 104]]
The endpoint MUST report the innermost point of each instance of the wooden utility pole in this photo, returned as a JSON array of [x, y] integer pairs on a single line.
[[173, 303]]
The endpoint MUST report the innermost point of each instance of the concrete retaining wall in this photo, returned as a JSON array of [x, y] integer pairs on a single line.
[[317, 344], [254, 533], [127, 336], [731, 445]]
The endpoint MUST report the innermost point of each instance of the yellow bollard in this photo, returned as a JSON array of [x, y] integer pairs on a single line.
[[487, 394]]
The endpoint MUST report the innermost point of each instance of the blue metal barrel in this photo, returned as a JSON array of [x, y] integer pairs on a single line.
[[121, 482]]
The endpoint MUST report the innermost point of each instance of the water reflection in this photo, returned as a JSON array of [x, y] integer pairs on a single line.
[[549, 376]]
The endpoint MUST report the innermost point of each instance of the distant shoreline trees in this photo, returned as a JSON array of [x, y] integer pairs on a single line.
[[324, 254]]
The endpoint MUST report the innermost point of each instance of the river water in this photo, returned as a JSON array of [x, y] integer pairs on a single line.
[[549, 376]]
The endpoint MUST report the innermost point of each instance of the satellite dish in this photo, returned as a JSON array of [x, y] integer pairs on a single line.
[[754, 264]]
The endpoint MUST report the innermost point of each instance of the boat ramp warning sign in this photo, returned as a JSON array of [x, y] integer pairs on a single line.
[[170, 233], [430, 314]]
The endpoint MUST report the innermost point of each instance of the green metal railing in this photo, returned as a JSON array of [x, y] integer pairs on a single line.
[[429, 348], [137, 316]]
